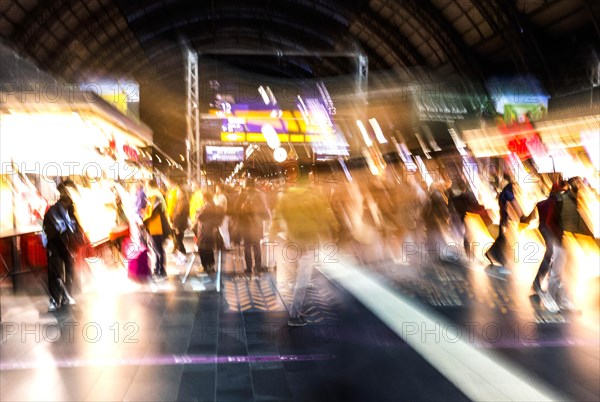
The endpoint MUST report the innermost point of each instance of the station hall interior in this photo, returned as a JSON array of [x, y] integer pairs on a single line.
[[300, 200]]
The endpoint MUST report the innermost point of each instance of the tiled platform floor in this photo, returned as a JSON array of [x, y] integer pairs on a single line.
[[173, 341]]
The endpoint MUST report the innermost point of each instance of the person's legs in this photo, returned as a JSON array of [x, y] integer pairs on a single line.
[[544, 266], [68, 278], [54, 275], [303, 275], [179, 234], [257, 254], [559, 259], [224, 231], [496, 251], [161, 257], [247, 252], [207, 254]]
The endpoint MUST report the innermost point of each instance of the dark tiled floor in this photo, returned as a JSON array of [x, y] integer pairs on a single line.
[[164, 342], [497, 311], [174, 341]]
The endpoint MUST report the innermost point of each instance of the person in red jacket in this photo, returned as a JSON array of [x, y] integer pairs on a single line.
[[550, 214]]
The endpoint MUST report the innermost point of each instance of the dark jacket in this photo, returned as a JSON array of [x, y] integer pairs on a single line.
[[550, 211], [180, 218], [207, 223], [60, 227], [250, 211]]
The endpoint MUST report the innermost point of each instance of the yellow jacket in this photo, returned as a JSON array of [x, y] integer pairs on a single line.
[[196, 204], [171, 202], [152, 217], [305, 215]]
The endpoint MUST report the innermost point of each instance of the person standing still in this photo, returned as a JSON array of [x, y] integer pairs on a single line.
[[252, 212], [61, 234]]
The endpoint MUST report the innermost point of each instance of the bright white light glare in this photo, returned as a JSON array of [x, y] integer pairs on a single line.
[[377, 130], [423, 146], [364, 133], [303, 110], [460, 145], [424, 172], [67, 141], [591, 143], [271, 136], [318, 117], [280, 154], [264, 95], [346, 171], [271, 96]]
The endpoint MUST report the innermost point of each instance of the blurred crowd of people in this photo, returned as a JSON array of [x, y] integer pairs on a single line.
[[397, 216]]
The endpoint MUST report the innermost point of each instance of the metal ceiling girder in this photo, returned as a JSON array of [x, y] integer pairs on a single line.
[[429, 17], [389, 33], [230, 18], [193, 146], [594, 8], [156, 7], [90, 26], [37, 19], [504, 18]]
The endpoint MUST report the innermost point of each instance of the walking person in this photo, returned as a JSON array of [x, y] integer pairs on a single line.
[[181, 224], [157, 225], [141, 200], [207, 225], [62, 236], [220, 201], [510, 210], [308, 223], [436, 216], [556, 214], [252, 211]]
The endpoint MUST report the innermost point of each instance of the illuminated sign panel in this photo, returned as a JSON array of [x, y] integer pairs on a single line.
[[311, 122], [224, 154], [243, 124]]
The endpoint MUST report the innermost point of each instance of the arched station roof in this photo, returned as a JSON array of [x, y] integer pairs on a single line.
[[77, 40]]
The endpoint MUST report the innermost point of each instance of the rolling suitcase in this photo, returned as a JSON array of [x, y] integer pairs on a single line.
[[138, 267]]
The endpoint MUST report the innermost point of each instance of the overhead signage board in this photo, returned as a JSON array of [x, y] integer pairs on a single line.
[[224, 154]]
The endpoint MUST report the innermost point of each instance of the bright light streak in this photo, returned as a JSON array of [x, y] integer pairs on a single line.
[[423, 146], [364, 133], [377, 130], [271, 96], [423, 170], [345, 169], [591, 143], [271, 136], [264, 95]]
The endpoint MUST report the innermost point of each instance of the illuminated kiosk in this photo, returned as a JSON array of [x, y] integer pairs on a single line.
[[84, 137], [79, 136]]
